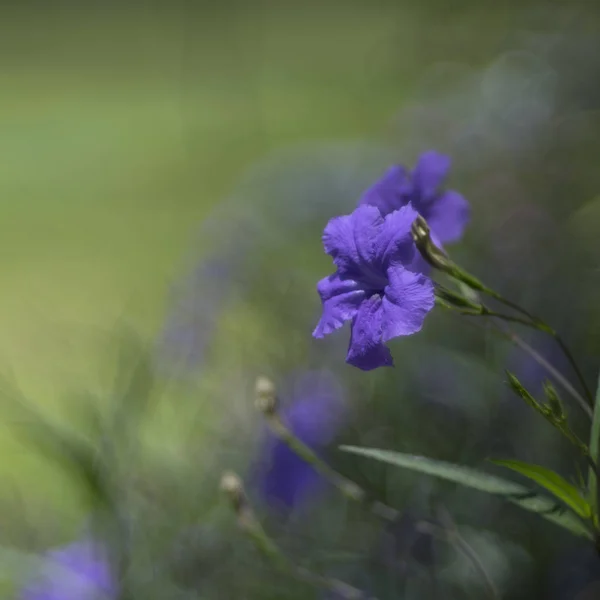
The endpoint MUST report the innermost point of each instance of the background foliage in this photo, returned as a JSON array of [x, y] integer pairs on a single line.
[[171, 166]]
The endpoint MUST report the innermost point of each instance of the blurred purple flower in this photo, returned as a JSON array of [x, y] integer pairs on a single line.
[[374, 285], [529, 371], [76, 572], [191, 322], [315, 413], [447, 212]]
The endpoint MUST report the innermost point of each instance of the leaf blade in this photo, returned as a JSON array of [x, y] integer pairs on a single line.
[[594, 451], [491, 484], [552, 482]]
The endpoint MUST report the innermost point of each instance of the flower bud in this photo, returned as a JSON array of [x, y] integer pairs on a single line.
[[266, 396], [232, 485], [520, 390], [554, 401], [429, 251]]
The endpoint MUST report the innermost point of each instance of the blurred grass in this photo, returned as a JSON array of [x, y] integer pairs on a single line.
[[122, 127]]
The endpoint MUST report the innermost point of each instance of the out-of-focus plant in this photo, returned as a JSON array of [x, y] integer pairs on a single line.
[[385, 256]]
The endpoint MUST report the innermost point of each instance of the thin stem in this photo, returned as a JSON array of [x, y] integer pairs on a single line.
[[573, 364], [440, 260], [512, 305], [348, 488], [558, 376], [593, 476], [490, 313], [249, 523], [450, 533], [541, 325]]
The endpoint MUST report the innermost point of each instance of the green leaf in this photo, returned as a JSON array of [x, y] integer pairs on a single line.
[[594, 452], [553, 482], [484, 482], [70, 449]]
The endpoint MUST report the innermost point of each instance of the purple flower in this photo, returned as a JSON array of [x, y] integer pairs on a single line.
[[375, 284], [446, 212], [314, 415], [76, 572]]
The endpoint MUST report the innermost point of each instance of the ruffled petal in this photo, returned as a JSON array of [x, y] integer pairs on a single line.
[[389, 193], [448, 216], [407, 300], [350, 240], [341, 299], [366, 350], [429, 174], [394, 242]]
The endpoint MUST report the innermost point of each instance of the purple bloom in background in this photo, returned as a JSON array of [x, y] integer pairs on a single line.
[[315, 414], [79, 571], [531, 373], [375, 285], [446, 212]]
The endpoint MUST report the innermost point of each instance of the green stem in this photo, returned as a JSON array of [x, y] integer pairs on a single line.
[[348, 488], [529, 321], [558, 376], [541, 325], [497, 315], [441, 261], [449, 532], [249, 523], [594, 444], [573, 364]]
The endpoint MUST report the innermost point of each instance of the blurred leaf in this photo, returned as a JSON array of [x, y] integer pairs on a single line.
[[60, 443], [594, 451], [134, 381], [503, 560], [553, 482], [513, 492]]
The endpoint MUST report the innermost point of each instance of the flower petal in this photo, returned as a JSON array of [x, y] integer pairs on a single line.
[[317, 410], [448, 216], [315, 414], [350, 240], [289, 479], [366, 350], [394, 242], [429, 174], [341, 299], [391, 192], [407, 300]]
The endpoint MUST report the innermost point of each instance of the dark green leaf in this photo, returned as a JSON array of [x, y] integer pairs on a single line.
[[553, 482], [491, 484], [594, 452]]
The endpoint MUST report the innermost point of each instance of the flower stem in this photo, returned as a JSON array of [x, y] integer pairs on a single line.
[[449, 531], [348, 488], [558, 376], [267, 404], [231, 484], [540, 325], [441, 261]]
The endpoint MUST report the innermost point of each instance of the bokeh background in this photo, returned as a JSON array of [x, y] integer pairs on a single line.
[[167, 169]]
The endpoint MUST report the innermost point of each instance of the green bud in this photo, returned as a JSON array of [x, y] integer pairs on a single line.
[[429, 251], [456, 300], [554, 402], [421, 235], [520, 390]]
